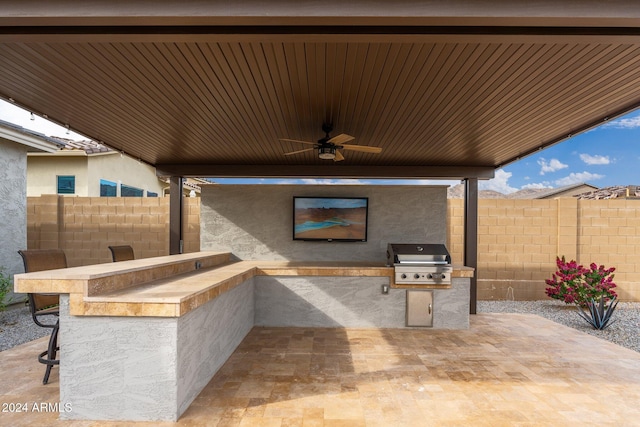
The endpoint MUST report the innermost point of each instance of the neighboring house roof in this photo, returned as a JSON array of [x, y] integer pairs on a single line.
[[33, 140], [194, 183], [84, 148], [189, 184], [457, 192], [614, 192], [549, 193], [89, 146]]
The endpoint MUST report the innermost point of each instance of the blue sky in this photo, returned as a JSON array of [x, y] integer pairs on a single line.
[[604, 156]]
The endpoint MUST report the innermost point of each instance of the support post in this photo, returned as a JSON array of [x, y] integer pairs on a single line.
[[471, 236], [175, 215]]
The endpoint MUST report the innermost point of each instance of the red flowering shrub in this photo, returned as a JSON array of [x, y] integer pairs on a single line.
[[574, 283]]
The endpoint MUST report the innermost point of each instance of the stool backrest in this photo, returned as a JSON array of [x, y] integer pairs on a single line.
[[121, 253], [40, 260], [43, 259]]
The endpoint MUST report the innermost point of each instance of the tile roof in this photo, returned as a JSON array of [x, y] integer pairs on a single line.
[[547, 192], [617, 191], [89, 146], [30, 132]]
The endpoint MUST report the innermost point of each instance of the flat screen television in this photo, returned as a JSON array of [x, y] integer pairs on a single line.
[[332, 219]]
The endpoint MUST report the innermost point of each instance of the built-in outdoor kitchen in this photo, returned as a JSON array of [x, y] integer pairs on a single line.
[[164, 326], [256, 222]]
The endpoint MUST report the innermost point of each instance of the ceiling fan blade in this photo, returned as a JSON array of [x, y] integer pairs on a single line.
[[299, 151], [339, 157], [364, 148], [340, 139], [296, 140]]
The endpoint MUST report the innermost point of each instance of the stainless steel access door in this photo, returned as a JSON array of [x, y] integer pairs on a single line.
[[419, 308]]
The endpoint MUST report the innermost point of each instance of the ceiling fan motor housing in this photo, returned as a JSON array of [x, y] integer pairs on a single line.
[[327, 128]]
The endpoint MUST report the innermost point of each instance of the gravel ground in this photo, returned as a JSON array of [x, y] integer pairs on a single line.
[[624, 331], [16, 326]]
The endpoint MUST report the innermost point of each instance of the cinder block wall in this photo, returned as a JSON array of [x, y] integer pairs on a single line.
[[518, 241], [84, 227], [609, 234]]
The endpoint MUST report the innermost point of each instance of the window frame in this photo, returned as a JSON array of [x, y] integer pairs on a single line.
[[71, 179]]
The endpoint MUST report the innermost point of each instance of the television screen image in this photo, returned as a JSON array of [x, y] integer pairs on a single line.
[[330, 218]]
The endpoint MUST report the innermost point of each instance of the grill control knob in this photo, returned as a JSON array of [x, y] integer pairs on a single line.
[[403, 276], [416, 276], [444, 276], [429, 276]]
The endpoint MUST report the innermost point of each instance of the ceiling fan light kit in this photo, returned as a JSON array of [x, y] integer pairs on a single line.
[[327, 152]]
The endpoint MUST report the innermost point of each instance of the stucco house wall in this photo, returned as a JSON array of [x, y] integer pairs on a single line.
[[88, 170], [42, 171], [15, 143], [13, 209], [123, 170]]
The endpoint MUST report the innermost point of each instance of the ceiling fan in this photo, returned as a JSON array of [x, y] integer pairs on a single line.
[[328, 147]]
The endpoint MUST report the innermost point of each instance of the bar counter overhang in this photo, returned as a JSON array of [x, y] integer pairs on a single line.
[[140, 339]]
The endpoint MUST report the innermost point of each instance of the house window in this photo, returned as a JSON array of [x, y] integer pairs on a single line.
[[127, 191], [66, 184], [151, 194], [108, 188]]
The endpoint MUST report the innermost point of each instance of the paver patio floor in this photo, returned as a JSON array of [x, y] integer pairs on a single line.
[[507, 369]]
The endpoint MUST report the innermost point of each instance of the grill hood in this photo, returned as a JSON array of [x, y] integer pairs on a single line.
[[417, 254]]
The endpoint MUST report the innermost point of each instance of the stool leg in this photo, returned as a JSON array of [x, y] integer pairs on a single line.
[[51, 352]]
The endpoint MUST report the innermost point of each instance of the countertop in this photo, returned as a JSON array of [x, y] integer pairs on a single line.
[[171, 286]]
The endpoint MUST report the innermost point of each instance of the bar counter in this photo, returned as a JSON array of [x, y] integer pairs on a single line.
[[140, 339], [171, 286]]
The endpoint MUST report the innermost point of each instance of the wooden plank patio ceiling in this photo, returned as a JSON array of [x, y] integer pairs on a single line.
[[198, 103]]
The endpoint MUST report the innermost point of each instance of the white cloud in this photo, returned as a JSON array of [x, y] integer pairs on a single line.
[[552, 166], [627, 123], [577, 178], [499, 183], [595, 160], [536, 186]]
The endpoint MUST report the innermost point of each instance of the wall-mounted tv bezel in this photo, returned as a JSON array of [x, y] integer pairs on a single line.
[[357, 221]]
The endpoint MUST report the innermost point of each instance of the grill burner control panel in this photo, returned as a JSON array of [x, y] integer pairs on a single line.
[[423, 275]]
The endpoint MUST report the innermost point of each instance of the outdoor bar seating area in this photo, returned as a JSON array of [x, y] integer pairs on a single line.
[[193, 309]]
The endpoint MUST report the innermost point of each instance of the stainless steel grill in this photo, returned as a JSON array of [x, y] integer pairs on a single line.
[[416, 263]]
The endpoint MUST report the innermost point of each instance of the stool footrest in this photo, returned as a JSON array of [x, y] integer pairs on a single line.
[[45, 360]]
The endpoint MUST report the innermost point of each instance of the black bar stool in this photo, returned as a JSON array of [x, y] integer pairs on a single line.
[[45, 305]]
